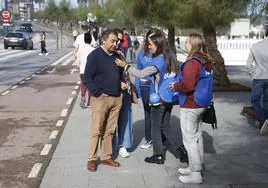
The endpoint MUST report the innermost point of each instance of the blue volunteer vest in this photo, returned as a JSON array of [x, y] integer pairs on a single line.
[[159, 63], [203, 87]]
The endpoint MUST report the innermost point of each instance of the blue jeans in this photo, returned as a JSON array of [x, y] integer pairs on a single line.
[[260, 89], [145, 96], [125, 131], [124, 50]]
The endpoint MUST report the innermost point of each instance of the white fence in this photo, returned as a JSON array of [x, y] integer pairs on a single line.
[[234, 52]]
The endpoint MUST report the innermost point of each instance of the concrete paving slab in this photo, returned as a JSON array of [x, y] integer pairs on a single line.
[[235, 154]]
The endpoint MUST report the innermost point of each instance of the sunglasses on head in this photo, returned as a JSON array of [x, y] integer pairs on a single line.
[[120, 40]]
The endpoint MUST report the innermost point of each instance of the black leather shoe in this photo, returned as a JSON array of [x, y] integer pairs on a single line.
[[158, 159]]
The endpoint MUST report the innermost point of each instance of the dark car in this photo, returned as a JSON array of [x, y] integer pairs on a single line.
[[27, 26], [18, 39]]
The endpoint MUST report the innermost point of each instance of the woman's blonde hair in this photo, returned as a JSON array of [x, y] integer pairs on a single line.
[[197, 43]]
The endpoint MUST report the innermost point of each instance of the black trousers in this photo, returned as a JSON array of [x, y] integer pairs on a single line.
[[43, 47], [161, 129]]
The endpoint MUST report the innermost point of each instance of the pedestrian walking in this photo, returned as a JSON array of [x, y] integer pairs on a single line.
[[106, 99], [84, 50], [144, 85], [191, 110], [43, 43], [78, 54], [163, 67], [257, 68]]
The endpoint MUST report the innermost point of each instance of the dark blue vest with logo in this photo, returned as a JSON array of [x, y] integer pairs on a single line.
[[203, 87]]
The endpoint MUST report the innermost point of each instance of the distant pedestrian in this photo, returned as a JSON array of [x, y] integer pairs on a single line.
[[126, 44], [75, 33], [103, 78], [257, 67], [191, 111], [133, 49], [43, 43]]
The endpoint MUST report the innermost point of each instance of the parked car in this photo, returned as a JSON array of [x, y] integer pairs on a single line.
[[18, 39], [27, 26]]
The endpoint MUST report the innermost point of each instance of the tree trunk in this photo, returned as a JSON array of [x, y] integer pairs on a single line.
[[221, 77], [171, 38]]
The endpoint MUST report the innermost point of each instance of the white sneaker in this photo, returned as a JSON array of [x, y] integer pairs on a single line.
[[47, 53], [146, 145], [185, 171], [264, 128], [123, 152], [194, 177], [40, 54]]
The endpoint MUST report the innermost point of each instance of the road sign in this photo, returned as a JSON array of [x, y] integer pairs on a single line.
[[5, 14], [5, 18]]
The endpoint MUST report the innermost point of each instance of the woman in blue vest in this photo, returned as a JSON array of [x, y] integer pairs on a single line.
[[196, 66], [144, 59], [163, 66]]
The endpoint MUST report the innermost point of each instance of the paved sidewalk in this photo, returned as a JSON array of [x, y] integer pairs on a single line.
[[235, 154]]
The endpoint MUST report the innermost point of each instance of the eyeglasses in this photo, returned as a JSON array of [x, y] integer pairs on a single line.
[[120, 40]]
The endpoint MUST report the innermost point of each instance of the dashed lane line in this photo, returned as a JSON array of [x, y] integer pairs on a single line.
[[69, 101], [14, 87], [54, 134], [66, 62], [59, 60], [76, 87], [64, 112], [4, 93], [46, 149], [59, 123], [35, 170], [73, 92]]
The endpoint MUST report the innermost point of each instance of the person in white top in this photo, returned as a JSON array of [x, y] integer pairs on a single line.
[[257, 68], [84, 48]]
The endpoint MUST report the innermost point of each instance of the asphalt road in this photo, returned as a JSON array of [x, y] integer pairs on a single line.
[[35, 92]]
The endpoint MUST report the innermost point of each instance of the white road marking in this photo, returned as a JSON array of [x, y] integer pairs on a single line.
[[33, 75], [6, 92], [69, 101], [21, 82], [59, 123], [75, 63], [16, 55], [35, 170], [14, 87], [73, 92], [38, 72], [53, 135], [78, 83], [64, 112], [67, 62], [28, 78], [59, 60], [72, 71], [76, 87], [46, 149]]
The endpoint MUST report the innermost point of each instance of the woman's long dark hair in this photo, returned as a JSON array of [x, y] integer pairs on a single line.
[[146, 42], [163, 48]]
